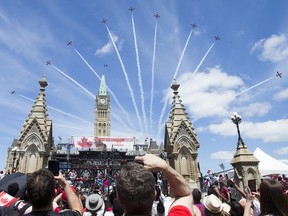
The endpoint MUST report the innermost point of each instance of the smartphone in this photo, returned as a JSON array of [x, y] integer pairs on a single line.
[[53, 166]]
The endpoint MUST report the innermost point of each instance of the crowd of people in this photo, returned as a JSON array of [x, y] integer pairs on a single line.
[[137, 192]]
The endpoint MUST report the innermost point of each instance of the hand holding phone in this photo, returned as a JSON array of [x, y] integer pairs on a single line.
[[53, 166]]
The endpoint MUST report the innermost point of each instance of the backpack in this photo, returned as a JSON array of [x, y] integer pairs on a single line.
[[13, 210]]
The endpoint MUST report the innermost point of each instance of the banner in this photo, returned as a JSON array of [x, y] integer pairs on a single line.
[[89, 142], [6, 200]]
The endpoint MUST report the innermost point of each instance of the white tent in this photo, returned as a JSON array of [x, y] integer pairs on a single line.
[[269, 165]]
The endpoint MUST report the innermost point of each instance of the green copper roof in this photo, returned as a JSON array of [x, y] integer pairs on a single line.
[[102, 88]]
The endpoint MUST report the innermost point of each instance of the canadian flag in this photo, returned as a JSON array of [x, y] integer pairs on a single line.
[[6, 199]]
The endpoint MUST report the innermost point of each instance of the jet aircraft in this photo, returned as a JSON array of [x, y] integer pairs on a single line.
[[12, 92], [48, 62], [193, 25], [69, 43], [278, 74], [157, 16], [131, 9], [105, 65], [217, 38], [104, 21]]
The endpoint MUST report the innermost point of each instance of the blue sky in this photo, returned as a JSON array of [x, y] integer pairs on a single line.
[[217, 78]]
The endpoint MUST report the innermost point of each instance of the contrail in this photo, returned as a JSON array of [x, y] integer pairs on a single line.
[[174, 77], [127, 79], [254, 86], [84, 89], [110, 91], [139, 75], [201, 62], [182, 54], [74, 81], [242, 92], [152, 75], [58, 110], [87, 63]]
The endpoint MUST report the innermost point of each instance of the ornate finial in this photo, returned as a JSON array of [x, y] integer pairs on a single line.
[[43, 83], [175, 86]]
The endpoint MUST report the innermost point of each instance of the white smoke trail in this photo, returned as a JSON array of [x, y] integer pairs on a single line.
[[109, 90], [201, 62], [254, 86], [174, 77], [74, 81], [152, 76], [182, 54], [139, 75], [58, 110], [127, 79], [88, 92]]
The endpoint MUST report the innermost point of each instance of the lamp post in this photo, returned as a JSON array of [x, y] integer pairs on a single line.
[[14, 150], [236, 119]]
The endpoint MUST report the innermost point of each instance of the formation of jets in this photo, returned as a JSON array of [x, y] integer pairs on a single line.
[[278, 74], [193, 25], [105, 65], [217, 38], [157, 16], [48, 62], [69, 43], [104, 21], [131, 9]]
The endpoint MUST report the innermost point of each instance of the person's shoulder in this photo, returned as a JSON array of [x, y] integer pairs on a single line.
[[52, 213], [179, 210]]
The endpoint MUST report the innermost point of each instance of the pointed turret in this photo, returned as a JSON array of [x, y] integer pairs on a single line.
[[35, 140], [181, 142], [103, 87]]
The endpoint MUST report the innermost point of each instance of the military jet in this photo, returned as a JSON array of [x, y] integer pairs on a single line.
[[12, 92], [104, 21], [193, 25], [157, 16], [69, 43], [48, 62], [131, 9], [105, 65], [217, 38], [278, 74]]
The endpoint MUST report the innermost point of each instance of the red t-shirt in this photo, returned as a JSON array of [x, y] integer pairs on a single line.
[[179, 210]]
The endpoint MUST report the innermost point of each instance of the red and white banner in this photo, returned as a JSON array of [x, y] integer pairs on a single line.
[[6, 199], [89, 142]]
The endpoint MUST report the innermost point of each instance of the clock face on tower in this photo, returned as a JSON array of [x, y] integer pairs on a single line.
[[103, 101]]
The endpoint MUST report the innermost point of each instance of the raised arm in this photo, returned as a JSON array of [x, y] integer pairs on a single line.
[[178, 185], [73, 201]]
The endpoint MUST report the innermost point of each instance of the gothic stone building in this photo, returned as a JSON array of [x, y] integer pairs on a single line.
[[181, 144], [31, 151]]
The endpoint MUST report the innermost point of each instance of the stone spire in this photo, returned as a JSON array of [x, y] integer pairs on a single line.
[[103, 87], [178, 112], [39, 110], [36, 136], [181, 144]]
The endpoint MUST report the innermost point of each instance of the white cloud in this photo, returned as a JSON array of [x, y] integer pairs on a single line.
[[108, 47], [274, 49], [222, 155], [208, 94], [255, 109], [269, 131], [282, 95], [282, 151]]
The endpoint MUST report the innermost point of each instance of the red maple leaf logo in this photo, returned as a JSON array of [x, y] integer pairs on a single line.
[[4, 200], [84, 143]]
